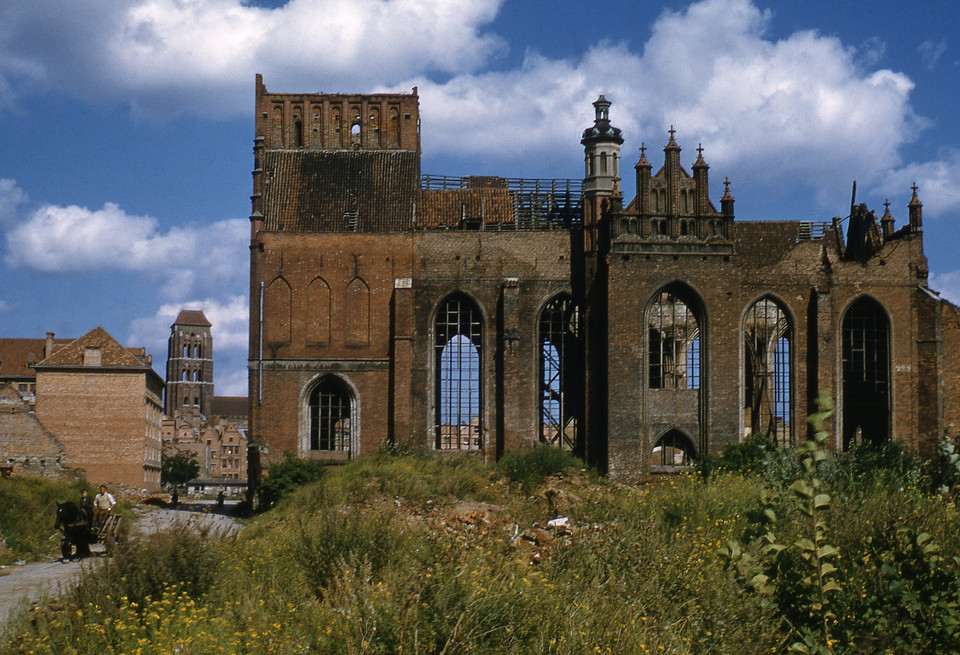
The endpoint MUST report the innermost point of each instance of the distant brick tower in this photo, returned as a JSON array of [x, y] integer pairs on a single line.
[[189, 365]]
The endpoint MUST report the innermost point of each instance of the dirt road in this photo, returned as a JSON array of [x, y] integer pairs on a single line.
[[20, 584]]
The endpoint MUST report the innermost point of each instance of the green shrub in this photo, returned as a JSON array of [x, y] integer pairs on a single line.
[[749, 455], [945, 466], [284, 477], [28, 510], [531, 466], [869, 464]]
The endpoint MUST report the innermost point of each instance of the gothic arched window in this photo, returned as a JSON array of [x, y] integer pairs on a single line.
[[673, 349], [329, 413], [561, 373], [866, 374], [458, 349], [768, 397]]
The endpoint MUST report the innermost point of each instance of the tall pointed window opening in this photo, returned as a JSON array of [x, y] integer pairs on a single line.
[[768, 342], [866, 374], [561, 373], [330, 415], [458, 376], [674, 344]]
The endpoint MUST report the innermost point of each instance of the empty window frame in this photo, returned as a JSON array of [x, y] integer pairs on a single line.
[[866, 374], [458, 375], [330, 415], [561, 373], [674, 449], [768, 341], [673, 348]]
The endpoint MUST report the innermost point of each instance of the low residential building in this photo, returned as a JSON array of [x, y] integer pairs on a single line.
[[103, 402]]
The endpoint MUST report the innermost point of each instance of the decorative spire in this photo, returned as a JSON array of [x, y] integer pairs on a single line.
[[915, 208], [672, 144], [726, 202], [643, 156], [886, 221], [700, 163], [726, 189]]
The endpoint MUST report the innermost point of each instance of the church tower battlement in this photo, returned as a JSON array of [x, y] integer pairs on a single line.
[[325, 121]]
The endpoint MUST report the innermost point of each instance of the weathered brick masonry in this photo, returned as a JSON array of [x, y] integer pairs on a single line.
[[104, 404], [489, 314]]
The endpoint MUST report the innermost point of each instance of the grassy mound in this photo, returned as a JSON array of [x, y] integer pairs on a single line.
[[407, 554]]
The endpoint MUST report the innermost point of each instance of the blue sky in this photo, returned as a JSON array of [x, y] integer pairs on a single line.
[[126, 127]]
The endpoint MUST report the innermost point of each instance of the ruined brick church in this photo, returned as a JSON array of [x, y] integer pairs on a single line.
[[488, 314]]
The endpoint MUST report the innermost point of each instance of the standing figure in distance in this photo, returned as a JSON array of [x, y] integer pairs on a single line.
[[86, 507], [102, 505]]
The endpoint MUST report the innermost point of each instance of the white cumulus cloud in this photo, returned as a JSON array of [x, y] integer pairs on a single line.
[[806, 107], [192, 259], [175, 56], [800, 107]]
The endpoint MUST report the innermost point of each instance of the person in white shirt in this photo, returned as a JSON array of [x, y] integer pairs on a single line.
[[102, 505]]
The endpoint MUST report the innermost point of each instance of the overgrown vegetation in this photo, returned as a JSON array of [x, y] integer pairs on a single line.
[[794, 551], [286, 476], [28, 509], [531, 467]]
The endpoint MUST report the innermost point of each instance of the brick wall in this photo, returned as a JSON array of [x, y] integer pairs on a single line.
[[109, 424]]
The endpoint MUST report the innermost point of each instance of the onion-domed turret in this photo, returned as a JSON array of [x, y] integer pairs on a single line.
[[601, 130], [601, 144]]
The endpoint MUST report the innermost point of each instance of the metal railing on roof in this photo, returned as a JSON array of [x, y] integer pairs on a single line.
[[538, 203], [810, 230]]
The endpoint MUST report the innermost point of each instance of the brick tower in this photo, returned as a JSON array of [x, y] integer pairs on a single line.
[[189, 364]]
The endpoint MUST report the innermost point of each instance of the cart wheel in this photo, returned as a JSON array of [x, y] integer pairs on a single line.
[[66, 549]]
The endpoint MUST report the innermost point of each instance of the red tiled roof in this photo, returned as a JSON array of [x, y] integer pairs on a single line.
[[18, 355], [341, 190], [193, 317], [111, 352], [449, 206], [229, 406]]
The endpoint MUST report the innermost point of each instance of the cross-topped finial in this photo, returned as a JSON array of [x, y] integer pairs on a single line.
[[914, 187], [643, 149], [700, 150], [726, 185], [886, 204], [672, 131]]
